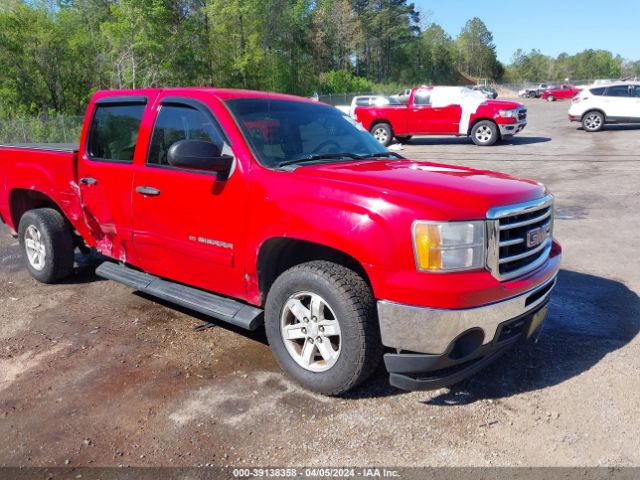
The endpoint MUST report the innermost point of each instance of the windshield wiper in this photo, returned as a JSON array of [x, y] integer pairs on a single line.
[[380, 155], [329, 156], [318, 156]]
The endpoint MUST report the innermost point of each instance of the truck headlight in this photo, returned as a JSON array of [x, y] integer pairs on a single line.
[[508, 113], [449, 246]]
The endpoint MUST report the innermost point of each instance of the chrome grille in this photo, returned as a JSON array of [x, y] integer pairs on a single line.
[[519, 237]]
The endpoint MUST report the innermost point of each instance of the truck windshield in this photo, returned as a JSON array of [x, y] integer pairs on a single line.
[[283, 132]]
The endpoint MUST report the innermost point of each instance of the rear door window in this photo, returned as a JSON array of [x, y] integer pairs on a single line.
[[598, 91], [618, 91], [114, 132]]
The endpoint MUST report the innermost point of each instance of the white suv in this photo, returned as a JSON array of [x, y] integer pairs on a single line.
[[614, 103]]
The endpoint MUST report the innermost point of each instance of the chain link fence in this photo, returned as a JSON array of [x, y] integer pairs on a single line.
[[505, 90], [59, 129]]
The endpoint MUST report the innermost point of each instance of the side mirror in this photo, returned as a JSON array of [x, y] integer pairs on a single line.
[[199, 155]]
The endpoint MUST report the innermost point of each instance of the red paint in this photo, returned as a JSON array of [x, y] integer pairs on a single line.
[[362, 208]]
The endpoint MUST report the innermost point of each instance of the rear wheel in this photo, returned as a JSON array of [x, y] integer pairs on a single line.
[[47, 244], [532, 95], [593, 121], [320, 322], [382, 133], [484, 133], [551, 98]]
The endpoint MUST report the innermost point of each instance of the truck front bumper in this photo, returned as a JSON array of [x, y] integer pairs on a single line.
[[436, 348], [509, 129]]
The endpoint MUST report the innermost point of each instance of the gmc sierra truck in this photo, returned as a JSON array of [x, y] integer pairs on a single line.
[[456, 111], [272, 211]]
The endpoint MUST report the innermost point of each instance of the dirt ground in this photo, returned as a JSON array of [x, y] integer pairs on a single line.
[[92, 373]]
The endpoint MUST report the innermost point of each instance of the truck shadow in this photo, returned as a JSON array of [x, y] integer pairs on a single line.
[[515, 140], [524, 140], [589, 318], [614, 127]]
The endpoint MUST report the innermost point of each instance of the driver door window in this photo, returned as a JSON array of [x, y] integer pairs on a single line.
[[175, 123], [422, 97]]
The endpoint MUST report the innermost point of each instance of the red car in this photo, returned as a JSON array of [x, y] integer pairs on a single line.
[[456, 111], [271, 211], [559, 93]]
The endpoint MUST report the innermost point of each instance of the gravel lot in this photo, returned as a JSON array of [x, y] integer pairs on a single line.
[[92, 373]]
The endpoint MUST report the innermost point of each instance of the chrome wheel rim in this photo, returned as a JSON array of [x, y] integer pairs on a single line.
[[592, 122], [310, 331], [34, 246], [381, 135], [483, 134]]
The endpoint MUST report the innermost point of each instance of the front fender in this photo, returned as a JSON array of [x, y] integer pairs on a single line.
[[357, 225]]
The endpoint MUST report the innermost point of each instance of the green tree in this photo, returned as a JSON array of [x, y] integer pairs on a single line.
[[532, 66], [477, 52]]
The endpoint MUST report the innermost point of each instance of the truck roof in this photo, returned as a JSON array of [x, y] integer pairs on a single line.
[[221, 93]]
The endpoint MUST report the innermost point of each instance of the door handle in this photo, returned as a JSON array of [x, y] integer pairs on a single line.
[[148, 191], [88, 181]]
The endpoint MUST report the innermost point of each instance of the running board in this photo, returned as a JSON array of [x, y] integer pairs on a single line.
[[222, 308]]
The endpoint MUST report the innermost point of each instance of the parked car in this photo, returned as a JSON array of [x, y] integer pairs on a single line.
[[488, 92], [456, 111], [271, 211], [369, 100], [599, 105], [559, 93], [403, 96], [536, 92]]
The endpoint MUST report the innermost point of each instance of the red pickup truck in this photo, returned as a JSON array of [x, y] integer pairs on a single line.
[[271, 211], [456, 111]]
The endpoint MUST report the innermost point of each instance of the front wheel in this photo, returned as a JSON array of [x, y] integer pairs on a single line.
[[382, 133], [320, 321], [484, 133], [593, 121], [551, 98], [47, 244]]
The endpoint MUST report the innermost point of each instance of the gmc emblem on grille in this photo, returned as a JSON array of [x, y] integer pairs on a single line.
[[536, 236]]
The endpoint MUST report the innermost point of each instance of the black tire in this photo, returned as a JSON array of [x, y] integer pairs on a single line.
[[55, 237], [403, 138], [532, 95], [485, 133], [593, 121], [383, 133], [551, 98], [350, 298]]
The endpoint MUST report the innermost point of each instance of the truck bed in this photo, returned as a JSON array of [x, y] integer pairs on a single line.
[[48, 147], [34, 173]]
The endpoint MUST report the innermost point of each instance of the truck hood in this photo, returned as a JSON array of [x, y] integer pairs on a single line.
[[441, 191], [503, 104]]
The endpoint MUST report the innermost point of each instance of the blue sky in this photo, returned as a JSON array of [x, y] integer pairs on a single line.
[[550, 26]]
